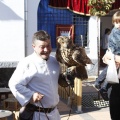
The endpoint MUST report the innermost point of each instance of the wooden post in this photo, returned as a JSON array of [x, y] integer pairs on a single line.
[[79, 94]]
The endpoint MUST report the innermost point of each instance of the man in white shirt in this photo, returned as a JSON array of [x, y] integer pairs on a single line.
[[35, 80]]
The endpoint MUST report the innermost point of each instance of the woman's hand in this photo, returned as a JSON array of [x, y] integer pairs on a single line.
[[107, 57]]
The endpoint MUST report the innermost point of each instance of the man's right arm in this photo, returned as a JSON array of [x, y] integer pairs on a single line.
[[19, 80]]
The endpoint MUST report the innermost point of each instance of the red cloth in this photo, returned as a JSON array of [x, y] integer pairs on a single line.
[[77, 6], [116, 5], [58, 3]]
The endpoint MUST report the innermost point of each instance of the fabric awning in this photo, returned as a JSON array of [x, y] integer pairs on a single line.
[[77, 6]]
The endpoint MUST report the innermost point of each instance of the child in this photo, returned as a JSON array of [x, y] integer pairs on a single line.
[[114, 45]]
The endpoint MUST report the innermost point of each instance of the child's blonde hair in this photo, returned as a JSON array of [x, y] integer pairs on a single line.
[[116, 17]]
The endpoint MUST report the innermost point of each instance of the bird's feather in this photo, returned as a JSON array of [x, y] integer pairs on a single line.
[[70, 55]]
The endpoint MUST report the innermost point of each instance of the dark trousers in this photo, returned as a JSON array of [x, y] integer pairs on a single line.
[[115, 102], [101, 79]]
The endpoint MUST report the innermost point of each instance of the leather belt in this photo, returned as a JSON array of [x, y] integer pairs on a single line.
[[45, 110], [31, 107]]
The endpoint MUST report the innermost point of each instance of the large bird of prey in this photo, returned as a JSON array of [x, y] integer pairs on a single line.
[[72, 56]]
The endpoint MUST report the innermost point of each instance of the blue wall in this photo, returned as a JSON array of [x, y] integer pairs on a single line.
[[48, 17]]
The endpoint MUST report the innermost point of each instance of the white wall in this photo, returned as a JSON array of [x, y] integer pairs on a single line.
[[93, 34], [31, 23], [18, 22], [93, 31], [12, 46]]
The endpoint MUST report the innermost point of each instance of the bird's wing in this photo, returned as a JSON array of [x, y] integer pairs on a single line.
[[80, 56], [77, 57], [81, 73]]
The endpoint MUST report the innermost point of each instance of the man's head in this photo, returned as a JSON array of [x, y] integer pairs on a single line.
[[41, 44]]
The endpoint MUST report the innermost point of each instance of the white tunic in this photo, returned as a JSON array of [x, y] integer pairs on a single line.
[[33, 74]]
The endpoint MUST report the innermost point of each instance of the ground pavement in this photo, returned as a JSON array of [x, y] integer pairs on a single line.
[[86, 114], [91, 109]]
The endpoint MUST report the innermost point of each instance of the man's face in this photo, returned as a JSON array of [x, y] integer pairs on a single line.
[[42, 48]]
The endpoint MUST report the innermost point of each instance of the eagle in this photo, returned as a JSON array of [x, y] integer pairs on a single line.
[[72, 57]]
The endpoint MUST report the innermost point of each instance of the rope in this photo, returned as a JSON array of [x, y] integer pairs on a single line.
[[44, 111], [71, 105]]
